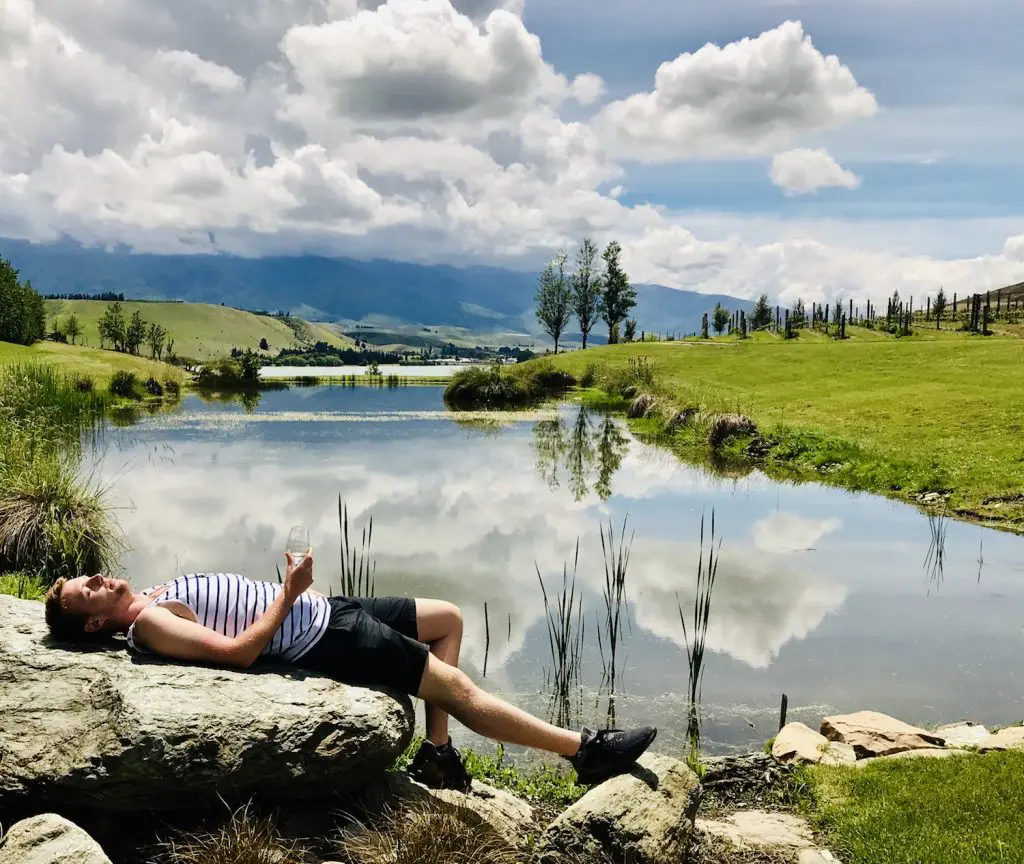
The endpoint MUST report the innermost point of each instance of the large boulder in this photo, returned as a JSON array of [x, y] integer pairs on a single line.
[[801, 745], [873, 734], [89, 727], [643, 817], [49, 839], [482, 808]]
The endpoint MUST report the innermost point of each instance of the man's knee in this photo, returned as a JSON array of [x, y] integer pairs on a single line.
[[454, 616]]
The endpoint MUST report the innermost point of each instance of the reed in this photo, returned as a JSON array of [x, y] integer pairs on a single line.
[[695, 635], [616, 610], [935, 559], [566, 630], [358, 569]]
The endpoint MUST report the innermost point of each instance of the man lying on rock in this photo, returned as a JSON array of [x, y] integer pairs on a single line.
[[394, 642]]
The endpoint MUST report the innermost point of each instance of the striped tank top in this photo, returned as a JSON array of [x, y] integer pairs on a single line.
[[229, 603]]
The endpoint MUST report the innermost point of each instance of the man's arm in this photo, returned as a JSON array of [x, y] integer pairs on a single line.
[[170, 635]]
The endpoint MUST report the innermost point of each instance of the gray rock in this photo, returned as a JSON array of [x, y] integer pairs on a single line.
[[801, 745], [49, 839], [871, 733], [484, 807], [85, 727], [644, 817], [964, 734]]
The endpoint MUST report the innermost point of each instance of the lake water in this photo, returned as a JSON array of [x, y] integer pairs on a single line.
[[433, 371], [833, 598]]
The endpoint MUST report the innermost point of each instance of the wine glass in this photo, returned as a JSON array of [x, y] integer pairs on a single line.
[[298, 544]]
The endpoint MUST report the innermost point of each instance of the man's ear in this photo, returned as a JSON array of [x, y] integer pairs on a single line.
[[94, 624]]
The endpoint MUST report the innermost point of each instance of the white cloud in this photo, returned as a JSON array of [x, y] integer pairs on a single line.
[[801, 172], [748, 97], [408, 128]]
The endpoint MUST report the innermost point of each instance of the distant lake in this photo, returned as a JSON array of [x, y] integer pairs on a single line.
[[842, 601], [385, 369]]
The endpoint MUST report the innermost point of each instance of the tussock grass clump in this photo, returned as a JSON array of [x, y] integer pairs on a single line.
[[244, 839], [724, 426], [53, 521], [637, 376], [642, 406], [42, 399], [425, 832], [498, 386]]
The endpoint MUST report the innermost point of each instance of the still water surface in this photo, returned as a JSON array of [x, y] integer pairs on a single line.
[[833, 598]]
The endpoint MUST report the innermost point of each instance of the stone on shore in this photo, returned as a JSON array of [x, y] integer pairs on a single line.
[[758, 835], [87, 727], [871, 733], [1010, 738], [801, 745], [49, 839], [643, 817], [486, 808], [964, 734]]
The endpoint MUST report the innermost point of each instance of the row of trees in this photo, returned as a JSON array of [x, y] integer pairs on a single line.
[[128, 336], [588, 294], [22, 313]]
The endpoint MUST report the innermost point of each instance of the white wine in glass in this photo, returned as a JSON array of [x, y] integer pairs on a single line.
[[298, 544]]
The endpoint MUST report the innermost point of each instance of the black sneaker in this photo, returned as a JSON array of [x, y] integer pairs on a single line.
[[609, 752], [440, 767]]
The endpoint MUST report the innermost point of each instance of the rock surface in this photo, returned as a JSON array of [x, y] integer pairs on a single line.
[[644, 817], [873, 734], [801, 745], [758, 835], [49, 839], [964, 734], [757, 829], [510, 818], [1010, 738], [89, 726]]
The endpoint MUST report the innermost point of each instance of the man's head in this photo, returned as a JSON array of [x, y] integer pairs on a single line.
[[87, 606]]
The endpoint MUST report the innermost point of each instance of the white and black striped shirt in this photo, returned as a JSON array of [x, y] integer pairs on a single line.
[[228, 604]]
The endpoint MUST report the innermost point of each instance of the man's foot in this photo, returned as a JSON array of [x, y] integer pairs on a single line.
[[609, 752], [440, 767]]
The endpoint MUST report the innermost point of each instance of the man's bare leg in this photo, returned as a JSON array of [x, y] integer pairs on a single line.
[[449, 689], [439, 624]]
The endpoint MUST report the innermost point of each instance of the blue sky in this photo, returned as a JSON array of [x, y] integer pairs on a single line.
[[947, 76]]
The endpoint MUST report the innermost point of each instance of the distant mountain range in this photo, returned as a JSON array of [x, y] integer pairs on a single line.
[[479, 299]]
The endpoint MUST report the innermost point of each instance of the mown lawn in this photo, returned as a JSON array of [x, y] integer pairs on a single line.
[[200, 330], [91, 362], [961, 810], [928, 412]]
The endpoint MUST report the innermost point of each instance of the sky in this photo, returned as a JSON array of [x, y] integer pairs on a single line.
[[823, 149]]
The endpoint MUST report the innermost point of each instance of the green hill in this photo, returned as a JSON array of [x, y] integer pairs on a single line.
[[200, 330], [92, 362]]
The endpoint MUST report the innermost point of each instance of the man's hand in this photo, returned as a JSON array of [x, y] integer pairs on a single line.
[[298, 577]]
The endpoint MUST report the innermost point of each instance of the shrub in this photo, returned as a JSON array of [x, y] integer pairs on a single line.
[[154, 387], [637, 377], [726, 425], [125, 385], [642, 406], [172, 387], [84, 384], [499, 386], [589, 376]]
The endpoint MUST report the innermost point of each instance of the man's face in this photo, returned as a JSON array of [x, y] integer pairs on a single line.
[[95, 596]]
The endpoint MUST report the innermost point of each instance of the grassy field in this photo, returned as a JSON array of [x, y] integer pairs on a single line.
[[199, 330], [960, 810], [931, 412], [91, 362]]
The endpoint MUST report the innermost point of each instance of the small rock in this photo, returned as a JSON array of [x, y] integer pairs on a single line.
[[801, 745], [964, 734], [923, 753], [817, 856], [759, 830], [1011, 737], [644, 817], [871, 733], [49, 839]]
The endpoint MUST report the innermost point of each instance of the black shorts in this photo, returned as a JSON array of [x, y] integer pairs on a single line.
[[370, 642]]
